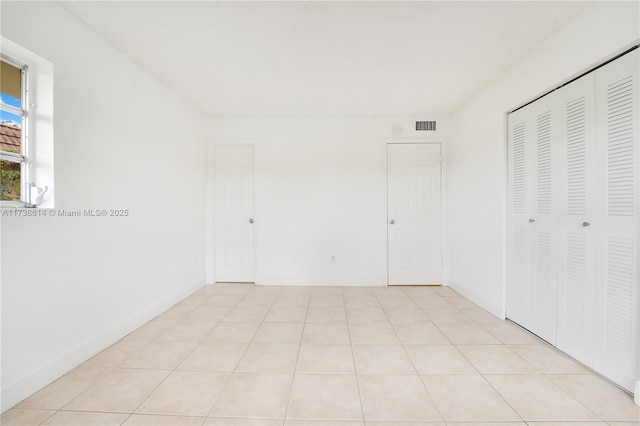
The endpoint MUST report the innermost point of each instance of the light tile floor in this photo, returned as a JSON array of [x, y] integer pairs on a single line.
[[236, 354]]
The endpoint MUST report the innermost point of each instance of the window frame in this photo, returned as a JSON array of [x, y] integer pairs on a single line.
[[40, 186], [23, 157]]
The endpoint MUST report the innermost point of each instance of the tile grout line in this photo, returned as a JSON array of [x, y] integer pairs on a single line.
[[176, 367], [576, 398], [119, 366], [491, 384], [479, 372], [378, 298], [242, 356], [295, 366], [44, 420], [504, 344], [57, 410], [436, 324], [113, 368], [468, 360], [409, 357], [204, 420], [185, 357], [151, 340], [353, 358]]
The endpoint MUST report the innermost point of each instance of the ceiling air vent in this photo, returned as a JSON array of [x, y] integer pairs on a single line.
[[426, 125]]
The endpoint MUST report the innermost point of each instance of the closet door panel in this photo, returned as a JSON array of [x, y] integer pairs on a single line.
[[519, 213], [533, 210], [576, 248], [616, 282], [544, 256]]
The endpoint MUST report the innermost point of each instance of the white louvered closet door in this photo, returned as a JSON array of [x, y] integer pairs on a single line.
[[574, 223], [618, 165], [519, 228], [533, 217], [544, 228], [577, 212]]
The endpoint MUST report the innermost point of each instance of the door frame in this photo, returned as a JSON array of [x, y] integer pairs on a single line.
[[210, 206], [444, 197]]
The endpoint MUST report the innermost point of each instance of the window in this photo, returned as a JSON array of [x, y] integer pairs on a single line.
[[14, 165], [26, 128]]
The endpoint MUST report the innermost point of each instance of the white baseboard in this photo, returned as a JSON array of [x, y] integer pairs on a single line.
[[18, 392], [304, 283], [480, 299], [636, 393]]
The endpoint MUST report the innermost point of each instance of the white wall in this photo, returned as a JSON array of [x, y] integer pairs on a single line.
[[73, 285], [477, 161], [320, 192]]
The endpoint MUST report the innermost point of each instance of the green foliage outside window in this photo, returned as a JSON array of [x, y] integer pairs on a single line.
[[9, 181]]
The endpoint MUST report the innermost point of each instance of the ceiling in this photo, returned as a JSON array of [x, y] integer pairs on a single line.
[[325, 58]]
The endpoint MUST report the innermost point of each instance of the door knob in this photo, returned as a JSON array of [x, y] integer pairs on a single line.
[[391, 222], [531, 220], [250, 220], [585, 224]]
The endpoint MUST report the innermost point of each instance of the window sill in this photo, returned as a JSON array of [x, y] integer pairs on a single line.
[[14, 205]]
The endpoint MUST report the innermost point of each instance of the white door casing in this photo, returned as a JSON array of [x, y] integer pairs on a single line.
[[414, 213], [234, 207]]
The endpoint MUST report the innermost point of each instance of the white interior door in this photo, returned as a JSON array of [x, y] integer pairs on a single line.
[[618, 192], [234, 229], [414, 214], [576, 262]]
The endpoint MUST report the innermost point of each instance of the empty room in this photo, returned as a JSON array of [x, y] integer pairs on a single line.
[[320, 213]]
